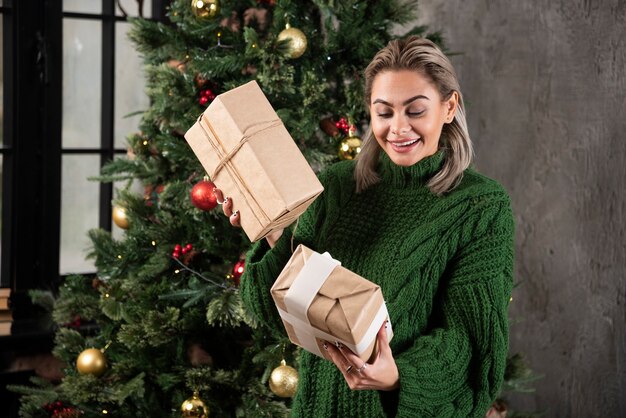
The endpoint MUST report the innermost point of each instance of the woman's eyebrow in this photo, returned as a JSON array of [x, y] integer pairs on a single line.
[[406, 102]]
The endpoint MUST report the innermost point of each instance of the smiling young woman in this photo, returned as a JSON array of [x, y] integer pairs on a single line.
[[412, 217]]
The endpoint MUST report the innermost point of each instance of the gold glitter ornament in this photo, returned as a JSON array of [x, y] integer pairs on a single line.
[[91, 361], [297, 40], [284, 380], [350, 147], [205, 9], [194, 407], [119, 217]]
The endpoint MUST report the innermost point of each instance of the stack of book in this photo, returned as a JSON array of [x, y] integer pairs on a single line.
[[6, 317]]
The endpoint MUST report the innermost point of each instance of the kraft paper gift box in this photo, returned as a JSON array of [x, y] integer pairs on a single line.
[[248, 153], [319, 300]]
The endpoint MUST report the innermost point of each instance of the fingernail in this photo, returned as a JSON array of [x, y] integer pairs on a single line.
[[236, 213], [325, 346], [225, 201]]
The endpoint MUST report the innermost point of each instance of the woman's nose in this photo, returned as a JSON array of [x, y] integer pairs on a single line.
[[400, 125]]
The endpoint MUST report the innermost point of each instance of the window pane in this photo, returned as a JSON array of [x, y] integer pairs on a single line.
[[82, 6], [80, 211], [132, 9], [82, 73], [130, 96]]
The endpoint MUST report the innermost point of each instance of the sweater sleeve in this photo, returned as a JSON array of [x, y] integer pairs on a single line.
[[264, 264], [457, 369]]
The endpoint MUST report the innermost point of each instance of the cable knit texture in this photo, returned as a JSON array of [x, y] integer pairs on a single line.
[[444, 264]]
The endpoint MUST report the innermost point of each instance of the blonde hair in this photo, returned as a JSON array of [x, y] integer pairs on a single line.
[[423, 56]]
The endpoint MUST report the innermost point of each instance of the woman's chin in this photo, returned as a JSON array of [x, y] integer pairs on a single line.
[[406, 158]]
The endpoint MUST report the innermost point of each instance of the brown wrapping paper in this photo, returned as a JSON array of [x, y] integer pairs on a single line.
[[347, 308], [247, 151]]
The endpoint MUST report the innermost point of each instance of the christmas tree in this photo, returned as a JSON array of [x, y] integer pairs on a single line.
[[161, 326]]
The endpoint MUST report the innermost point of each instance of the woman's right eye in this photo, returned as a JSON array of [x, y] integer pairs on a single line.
[[384, 115]]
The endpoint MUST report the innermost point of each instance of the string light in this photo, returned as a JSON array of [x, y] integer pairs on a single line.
[[153, 243], [199, 275]]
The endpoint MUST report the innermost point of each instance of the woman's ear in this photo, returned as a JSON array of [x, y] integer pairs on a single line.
[[450, 106]]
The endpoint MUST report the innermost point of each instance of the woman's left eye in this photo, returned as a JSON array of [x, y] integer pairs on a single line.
[[415, 113]]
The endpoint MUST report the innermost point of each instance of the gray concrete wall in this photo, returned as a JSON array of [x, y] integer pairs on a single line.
[[545, 83]]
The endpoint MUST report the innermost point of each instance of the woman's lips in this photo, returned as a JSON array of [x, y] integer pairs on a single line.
[[405, 145]]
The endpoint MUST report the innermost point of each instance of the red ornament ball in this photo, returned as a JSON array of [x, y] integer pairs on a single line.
[[202, 195], [238, 270]]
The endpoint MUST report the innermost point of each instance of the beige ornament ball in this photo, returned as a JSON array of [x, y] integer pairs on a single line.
[[205, 9], [284, 380], [91, 361], [194, 407], [350, 147], [119, 217], [297, 40]]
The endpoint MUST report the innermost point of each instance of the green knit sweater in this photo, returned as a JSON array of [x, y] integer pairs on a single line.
[[444, 264]]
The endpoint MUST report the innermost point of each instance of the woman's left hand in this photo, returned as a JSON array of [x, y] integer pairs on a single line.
[[382, 374]]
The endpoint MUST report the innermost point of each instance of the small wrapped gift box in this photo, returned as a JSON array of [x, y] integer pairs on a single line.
[[249, 154], [318, 300]]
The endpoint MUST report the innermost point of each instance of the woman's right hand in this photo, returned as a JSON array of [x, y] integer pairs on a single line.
[[227, 207], [234, 217]]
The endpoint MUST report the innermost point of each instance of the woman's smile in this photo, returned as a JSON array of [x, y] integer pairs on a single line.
[[405, 145]]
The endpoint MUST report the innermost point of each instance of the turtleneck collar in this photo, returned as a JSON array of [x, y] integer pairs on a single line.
[[413, 176]]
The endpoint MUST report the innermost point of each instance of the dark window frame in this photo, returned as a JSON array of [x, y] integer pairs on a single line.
[[6, 151], [33, 149]]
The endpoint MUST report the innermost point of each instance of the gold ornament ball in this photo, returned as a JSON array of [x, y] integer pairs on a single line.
[[284, 380], [205, 9], [350, 147], [91, 361], [119, 217], [297, 41], [194, 407]]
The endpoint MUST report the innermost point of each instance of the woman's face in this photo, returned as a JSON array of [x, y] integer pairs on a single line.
[[408, 114]]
